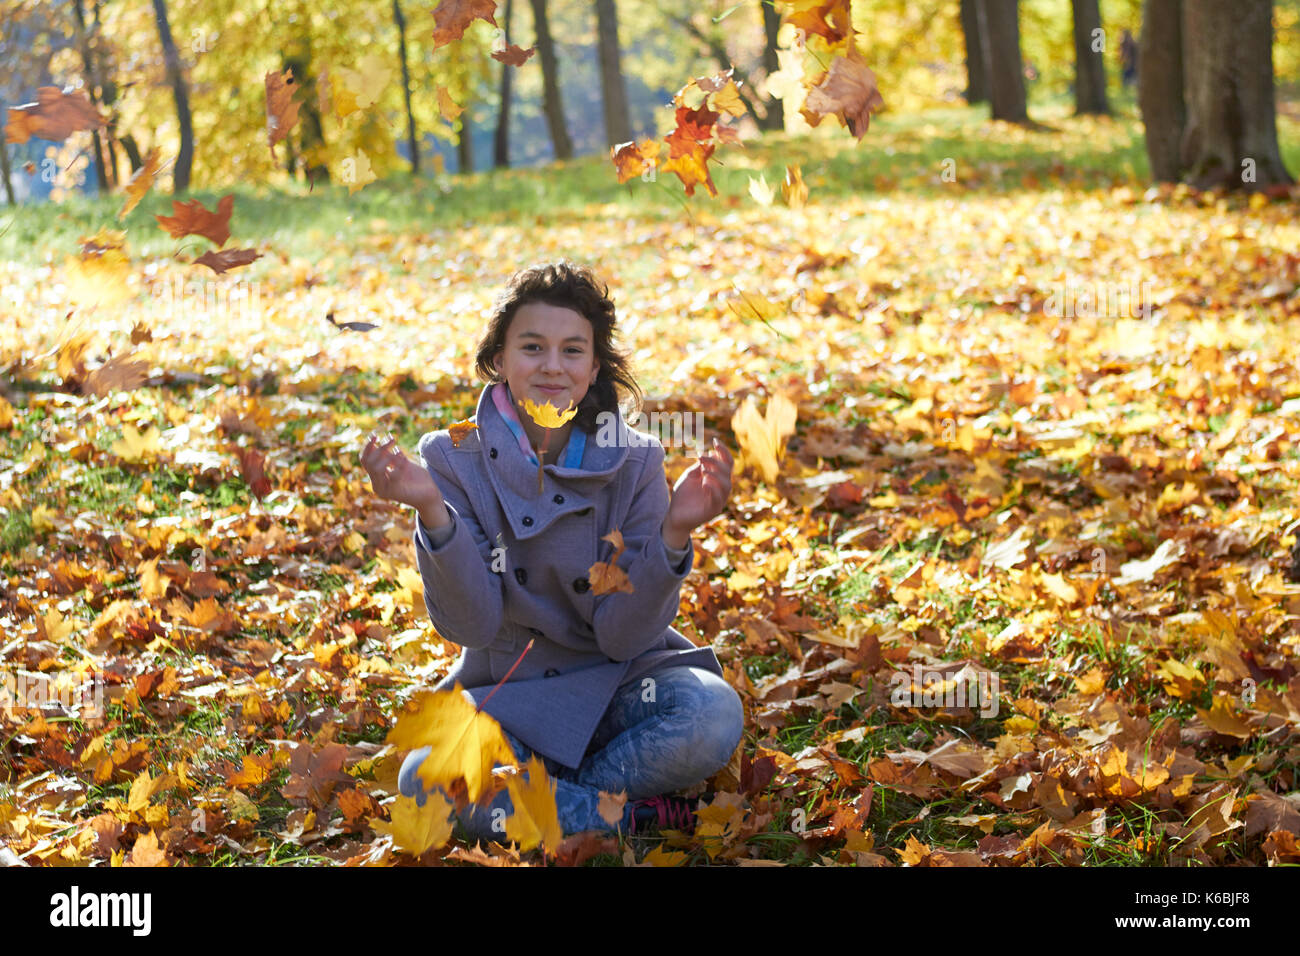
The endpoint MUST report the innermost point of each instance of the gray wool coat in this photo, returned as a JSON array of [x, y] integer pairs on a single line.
[[586, 646]]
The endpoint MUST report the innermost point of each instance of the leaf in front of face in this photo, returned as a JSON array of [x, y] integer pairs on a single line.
[[547, 415]]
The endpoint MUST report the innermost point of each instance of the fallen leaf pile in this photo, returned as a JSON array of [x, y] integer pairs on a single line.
[[1004, 579]]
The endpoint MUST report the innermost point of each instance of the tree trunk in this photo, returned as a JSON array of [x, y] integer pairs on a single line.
[[552, 104], [88, 70], [412, 142], [977, 69], [1231, 135], [465, 144], [1089, 60], [618, 125], [132, 152], [774, 115], [297, 56], [184, 159], [4, 164], [999, 26], [501, 141], [1160, 87]]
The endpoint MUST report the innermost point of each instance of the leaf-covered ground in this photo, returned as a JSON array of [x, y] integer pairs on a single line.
[[1091, 513]]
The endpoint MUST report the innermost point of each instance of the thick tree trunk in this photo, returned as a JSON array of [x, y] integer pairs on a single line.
[[977, 70], [618, 125], [999, 26], [552, 103], [412, 142], [774, 109], [501, 141], [1089, 59], [176, 79], [1231, 135], [1160, 87]]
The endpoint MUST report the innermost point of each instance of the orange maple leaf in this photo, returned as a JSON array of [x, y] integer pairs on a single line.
[[514, 55], [281, 110], [453, 17], [633, 159], [832, 20], [227, 259], [848, 91], [190, 218], [692, 169], [55, 115]]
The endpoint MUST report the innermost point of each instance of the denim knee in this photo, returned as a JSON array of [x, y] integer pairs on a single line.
[[716, 715]]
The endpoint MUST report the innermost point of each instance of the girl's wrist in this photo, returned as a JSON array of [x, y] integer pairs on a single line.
[[676, 537], [434, 515]]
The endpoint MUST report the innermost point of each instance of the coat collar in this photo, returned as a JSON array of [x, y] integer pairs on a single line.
[[514, 477]]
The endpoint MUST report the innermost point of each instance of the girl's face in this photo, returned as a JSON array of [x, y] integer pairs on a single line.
[[549, 357]]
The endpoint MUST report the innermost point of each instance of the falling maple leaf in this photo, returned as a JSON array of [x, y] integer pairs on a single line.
[[227, 259], [514, 55], [281, 108], [535, 820], [763, 193], [447, 106], [360, 88], [141, 182], [458, 430], [118, 373], [416, 830], [465, 742], [452, 17], [793, 189], [55, 115], [692, 169], [762, 436], [633, 159], [135, 446], [191, 218], [848, 91], [548, 415]]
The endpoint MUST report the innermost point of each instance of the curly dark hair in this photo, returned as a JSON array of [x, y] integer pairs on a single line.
[[571, 286]]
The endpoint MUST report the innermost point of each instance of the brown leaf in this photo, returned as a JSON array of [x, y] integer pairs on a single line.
[[452, 17], [848, 91], [252, 464], [514, 55], [227, 259], [55, 116], [281, 110], [190, 218], [141, 182], [119, 373]]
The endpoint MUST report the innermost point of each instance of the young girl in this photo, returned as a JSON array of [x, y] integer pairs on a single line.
[[611, 696]]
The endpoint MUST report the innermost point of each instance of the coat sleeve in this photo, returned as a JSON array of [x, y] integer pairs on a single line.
[[464, 598], [626, 624]]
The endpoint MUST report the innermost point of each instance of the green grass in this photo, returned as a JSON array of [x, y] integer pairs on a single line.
[[900, 153]]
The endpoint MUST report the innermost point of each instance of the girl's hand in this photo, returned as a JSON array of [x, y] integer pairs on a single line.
[[398, 478], [702, 491]]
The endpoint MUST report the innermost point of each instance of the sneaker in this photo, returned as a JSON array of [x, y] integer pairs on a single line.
[[664, 813]]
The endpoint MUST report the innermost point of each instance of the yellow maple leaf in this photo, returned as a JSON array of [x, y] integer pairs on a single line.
[[141, 182], [362, 87], [536, 819], [1223, 720], [135, 446], [465, 742], [661, 857], [416, 829], [356, 171], [547, 415], [763, 193], [762, 437]]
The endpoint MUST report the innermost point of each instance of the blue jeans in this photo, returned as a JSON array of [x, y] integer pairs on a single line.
[[685, 734]]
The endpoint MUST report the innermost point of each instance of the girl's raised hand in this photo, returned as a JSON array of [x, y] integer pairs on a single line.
[[396, 477], [702, 491]]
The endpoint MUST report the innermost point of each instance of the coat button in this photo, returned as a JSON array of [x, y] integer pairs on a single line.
[[582, 585], [558, 499], [492, 452], [551, 672], [528, 521], [521, 575]]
